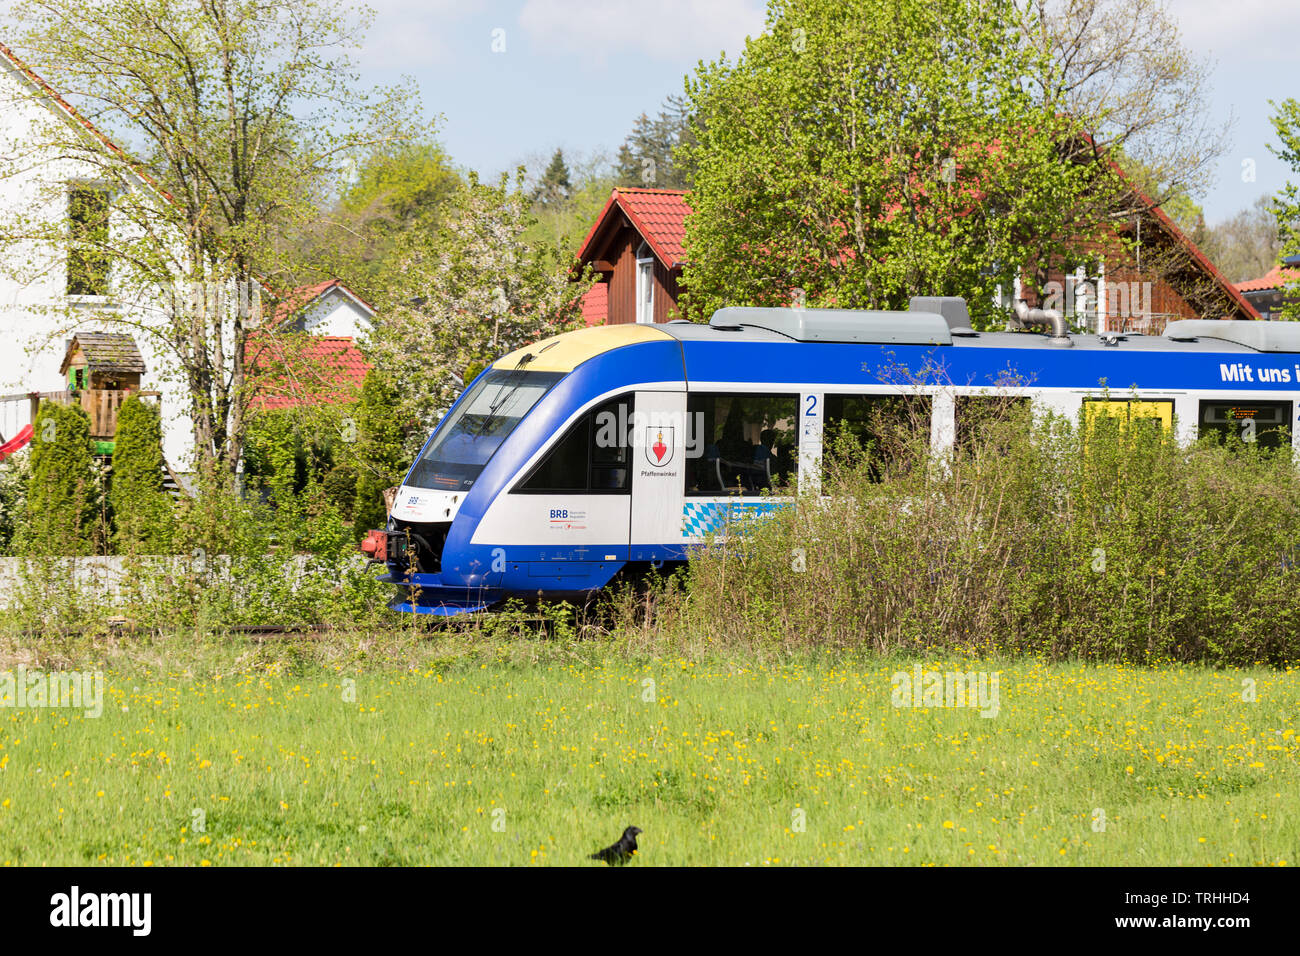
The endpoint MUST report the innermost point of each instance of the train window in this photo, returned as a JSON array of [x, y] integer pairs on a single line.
[[593, 457], [477, 425], [975, 416], [1267, 424], [881, 431], [741, 443]]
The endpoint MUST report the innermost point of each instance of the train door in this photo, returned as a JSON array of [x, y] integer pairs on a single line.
[[811, 420], [662, 443], [742, 462]]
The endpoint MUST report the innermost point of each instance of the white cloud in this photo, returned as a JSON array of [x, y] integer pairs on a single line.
[[1252, 30], [409, 34], [672, 30]]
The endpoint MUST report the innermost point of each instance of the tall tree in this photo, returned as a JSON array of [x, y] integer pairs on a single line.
[[229, 122], [555, 187], [654, 154], [63, 491], [142, 510], [402, 186], [1245, 245], [563, 221], [857, 154], [1120, 66], [1286, 207], [471, 291]]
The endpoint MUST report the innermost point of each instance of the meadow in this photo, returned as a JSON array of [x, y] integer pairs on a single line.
[[249, 756]]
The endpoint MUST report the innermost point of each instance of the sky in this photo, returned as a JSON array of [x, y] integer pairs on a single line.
[[515, 79]]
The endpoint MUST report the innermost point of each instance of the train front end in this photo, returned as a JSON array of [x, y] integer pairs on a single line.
[[439, 552]]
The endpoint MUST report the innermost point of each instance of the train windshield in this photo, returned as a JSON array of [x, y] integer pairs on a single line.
[[479, 423]]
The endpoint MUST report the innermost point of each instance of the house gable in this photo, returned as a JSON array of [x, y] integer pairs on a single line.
[[327, 308], [635, 220]]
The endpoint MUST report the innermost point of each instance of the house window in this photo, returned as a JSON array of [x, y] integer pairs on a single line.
[[645, 284], [88, 260]]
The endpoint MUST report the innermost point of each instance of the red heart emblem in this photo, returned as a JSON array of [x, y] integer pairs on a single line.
[[659, 448]]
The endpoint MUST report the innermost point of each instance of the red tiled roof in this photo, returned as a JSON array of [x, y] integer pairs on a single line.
[[1200, 258], [595, 304], [659, 215], [1275, 278], [286, 371], [298, 299]]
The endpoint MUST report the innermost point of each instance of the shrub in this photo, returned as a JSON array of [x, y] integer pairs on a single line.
[[142, 510], [63, 495], [340, 488], [1044, 537], [379, 458], [272, 452], [14, 475]]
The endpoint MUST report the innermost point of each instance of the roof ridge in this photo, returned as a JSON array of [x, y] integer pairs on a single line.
[[650, 189]]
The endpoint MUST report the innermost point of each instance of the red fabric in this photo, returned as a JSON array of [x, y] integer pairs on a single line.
[[18, 441]]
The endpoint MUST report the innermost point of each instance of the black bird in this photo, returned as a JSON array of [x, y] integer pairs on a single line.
[[620, 852]]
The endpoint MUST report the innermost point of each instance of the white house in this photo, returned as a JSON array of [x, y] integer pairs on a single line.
[[328, 308], [44, 297], [47, 295]]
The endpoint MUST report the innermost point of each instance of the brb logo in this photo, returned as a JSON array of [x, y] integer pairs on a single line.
[[659, 445]]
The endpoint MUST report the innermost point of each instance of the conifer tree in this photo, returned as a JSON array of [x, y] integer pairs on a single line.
[[62, 491], [142, 510]]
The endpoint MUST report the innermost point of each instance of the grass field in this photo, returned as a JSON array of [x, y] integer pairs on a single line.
[[495, 763]]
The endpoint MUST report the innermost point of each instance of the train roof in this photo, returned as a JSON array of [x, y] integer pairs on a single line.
[[935, 321], [1130, 341]]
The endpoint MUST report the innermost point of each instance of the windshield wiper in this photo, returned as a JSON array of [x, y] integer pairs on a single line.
[[519, 375]]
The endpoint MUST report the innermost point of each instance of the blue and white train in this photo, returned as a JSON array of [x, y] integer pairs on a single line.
[[611, 449]]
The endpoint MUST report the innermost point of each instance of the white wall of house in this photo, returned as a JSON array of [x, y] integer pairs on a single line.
[[37, 316], [336, 313]]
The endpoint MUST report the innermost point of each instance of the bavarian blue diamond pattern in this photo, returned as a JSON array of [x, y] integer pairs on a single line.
[[700, 518]]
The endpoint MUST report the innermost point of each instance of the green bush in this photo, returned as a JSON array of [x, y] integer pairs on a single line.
[[14, 475], [340, 488], [236, 562], [378, 453], [1045, 537], [142, 510], [273, 453], [63, 493]]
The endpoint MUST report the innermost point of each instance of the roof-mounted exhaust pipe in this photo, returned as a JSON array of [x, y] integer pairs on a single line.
[[1048, 318]]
